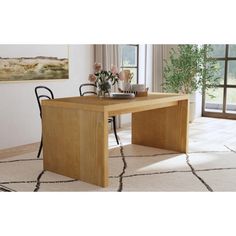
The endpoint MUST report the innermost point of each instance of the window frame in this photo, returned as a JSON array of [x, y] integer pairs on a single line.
[[131, 67], [225, 86]]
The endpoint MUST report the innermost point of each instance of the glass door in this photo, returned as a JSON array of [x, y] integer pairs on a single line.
[[223, 102]]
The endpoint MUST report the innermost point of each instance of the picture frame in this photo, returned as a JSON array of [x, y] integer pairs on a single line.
[[27, 62]]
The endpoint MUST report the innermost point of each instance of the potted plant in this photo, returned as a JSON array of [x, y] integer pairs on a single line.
[[190, 68]]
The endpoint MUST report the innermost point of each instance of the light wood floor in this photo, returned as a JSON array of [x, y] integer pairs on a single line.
[[4, 153]]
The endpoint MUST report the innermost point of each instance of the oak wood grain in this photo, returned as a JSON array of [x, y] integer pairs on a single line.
[[75, 131], [165, 128]]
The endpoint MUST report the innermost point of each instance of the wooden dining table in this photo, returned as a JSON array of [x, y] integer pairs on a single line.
[[75, 131]]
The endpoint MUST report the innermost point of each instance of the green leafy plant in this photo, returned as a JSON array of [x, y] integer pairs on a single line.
[[191, 68]]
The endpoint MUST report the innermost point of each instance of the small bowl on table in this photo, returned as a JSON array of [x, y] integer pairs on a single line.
[[140, 90]]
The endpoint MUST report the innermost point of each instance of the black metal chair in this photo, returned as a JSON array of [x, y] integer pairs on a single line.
[[42, 92], [87, 89], [90, 89]]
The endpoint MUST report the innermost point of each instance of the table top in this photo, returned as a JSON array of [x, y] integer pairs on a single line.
[[94, 103]]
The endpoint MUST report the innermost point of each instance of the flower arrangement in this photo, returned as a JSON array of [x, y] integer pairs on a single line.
[[105, 79]]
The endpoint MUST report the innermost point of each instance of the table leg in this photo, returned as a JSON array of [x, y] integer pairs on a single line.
[[165, 128], [75, 144]]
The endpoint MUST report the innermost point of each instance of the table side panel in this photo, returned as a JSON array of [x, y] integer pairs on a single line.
[[165, 128], [61, 139], [94, 148], [75, 144]]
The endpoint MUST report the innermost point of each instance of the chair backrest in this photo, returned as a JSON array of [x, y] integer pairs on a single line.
[[87, 89], [42, 92]]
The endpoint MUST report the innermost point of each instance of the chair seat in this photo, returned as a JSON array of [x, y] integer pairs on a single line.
[[110, 119]]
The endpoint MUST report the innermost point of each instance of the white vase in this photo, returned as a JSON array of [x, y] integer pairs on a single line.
[[104, 89], [124, 86], [195, 106], [191, 111]]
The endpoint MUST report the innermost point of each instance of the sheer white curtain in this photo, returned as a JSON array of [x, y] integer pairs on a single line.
[[107, 54], [159, 54]]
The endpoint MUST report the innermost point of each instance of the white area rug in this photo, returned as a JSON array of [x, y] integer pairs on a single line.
[[210, 165]]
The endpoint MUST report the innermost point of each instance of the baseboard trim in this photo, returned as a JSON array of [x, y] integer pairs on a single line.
[[14, 151]]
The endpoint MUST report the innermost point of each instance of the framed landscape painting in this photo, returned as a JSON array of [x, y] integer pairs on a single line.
[[24, 62]]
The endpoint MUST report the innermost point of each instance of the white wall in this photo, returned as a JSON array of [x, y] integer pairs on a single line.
[[19, 115], [141, 64], [149, 67]]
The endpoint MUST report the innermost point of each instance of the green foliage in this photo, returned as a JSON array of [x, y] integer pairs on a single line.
[[190, 68], [104, 76], [104, 86]]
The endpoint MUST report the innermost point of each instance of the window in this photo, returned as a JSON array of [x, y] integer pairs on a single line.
[[223, 104], [129, 60]]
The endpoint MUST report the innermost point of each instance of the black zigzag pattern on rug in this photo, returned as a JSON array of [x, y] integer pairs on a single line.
[[122, 175], [6, 189], [195, 174], [124, 168], [38, 181]]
